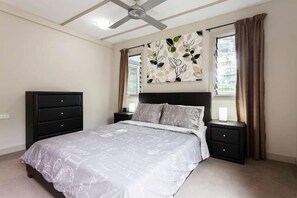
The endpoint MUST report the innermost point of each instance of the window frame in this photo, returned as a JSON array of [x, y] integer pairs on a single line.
[[213, 60]]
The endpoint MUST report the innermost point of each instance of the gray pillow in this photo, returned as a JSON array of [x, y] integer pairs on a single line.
[[148, 113], [183, 116]]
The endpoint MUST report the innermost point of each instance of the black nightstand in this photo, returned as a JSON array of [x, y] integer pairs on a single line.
[[120, 116], [227, 140]]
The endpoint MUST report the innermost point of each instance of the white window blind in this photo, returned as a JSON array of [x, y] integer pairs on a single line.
[[134, 75], [225, 80]]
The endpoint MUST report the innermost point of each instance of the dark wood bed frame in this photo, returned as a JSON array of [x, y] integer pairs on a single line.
[[180, 98]]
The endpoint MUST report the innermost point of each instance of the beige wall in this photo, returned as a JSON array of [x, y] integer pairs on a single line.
[[281, 78], [37, 57], [280, 72]]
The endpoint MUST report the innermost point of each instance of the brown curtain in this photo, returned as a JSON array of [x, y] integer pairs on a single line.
[[250, 82], [123, 83]]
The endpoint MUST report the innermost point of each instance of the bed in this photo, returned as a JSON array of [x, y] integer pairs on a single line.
[[128, 159]]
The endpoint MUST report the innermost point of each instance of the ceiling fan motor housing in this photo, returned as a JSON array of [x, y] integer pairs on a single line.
[[137, 12]]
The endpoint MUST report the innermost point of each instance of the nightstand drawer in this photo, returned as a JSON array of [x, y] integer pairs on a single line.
[[225, 150], [121, 116], [225, 135]]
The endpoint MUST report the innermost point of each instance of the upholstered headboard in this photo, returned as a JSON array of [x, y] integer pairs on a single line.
[[181, 98]]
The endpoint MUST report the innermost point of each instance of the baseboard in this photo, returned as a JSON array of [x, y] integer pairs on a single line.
[[12, 149], [281, 158]]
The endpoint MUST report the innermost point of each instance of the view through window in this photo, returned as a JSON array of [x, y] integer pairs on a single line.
[[225, 83], [134, 75]]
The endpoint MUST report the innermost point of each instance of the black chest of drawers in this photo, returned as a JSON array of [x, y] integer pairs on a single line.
[[227, 140], [49, 114]]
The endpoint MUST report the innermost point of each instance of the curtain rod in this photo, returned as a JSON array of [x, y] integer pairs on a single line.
[[209, 29], [205, 30], [136, 46]]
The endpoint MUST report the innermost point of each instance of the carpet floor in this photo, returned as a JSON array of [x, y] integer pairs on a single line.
[[213, 178]]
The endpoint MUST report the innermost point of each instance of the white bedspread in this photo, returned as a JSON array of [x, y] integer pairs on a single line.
[[124, 160]]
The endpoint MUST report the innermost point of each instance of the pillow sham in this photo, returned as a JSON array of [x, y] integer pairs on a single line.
[[201, 111], [183, 116], [148, 113]]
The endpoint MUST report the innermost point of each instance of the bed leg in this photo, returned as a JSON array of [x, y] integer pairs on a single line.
[[29, 172], [29, 175]]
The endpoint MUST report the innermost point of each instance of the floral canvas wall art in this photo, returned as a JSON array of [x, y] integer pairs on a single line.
[[175, 59]]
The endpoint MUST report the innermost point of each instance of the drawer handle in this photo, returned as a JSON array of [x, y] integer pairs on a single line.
[[224, 150], [224, 135], [62, 113], [61, 100], [62, 125]]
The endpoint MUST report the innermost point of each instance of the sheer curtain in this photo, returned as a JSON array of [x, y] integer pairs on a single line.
[[123, 82], [250, 82]]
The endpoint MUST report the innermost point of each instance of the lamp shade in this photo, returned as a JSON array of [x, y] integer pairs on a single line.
[[132, 107], [223, 114]]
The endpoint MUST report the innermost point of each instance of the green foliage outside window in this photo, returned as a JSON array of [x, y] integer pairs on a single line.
[[134, 75], [226, 66]]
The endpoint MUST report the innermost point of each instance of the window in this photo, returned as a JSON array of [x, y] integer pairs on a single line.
[[134, 75], [225, 77]]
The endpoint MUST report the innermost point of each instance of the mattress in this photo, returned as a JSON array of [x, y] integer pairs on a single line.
[[125, 160]]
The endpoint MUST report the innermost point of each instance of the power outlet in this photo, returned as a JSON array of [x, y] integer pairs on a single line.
[[4, 116]]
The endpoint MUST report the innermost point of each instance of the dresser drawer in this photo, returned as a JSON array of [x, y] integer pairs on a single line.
[[225, 135], [58, 100], [48, 128], [58, 113], [225, 150]]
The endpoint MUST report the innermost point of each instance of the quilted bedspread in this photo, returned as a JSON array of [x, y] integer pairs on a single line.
[[125, 160]]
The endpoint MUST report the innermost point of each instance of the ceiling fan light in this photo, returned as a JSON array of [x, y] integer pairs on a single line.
[[136, 12], [103, 24]]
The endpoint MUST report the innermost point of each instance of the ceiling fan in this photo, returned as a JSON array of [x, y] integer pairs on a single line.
[[139, 12]]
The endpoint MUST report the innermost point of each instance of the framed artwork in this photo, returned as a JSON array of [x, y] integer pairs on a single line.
[[175, 59]]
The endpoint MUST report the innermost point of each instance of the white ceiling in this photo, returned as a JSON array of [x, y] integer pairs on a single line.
[[175, 13]]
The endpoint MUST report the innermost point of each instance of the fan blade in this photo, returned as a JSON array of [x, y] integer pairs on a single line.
[[154, 22], [151, 4], [120, 22], [121, 4]]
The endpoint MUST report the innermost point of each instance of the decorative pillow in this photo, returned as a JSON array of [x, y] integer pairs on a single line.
[[183, 116], [148, 113]]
